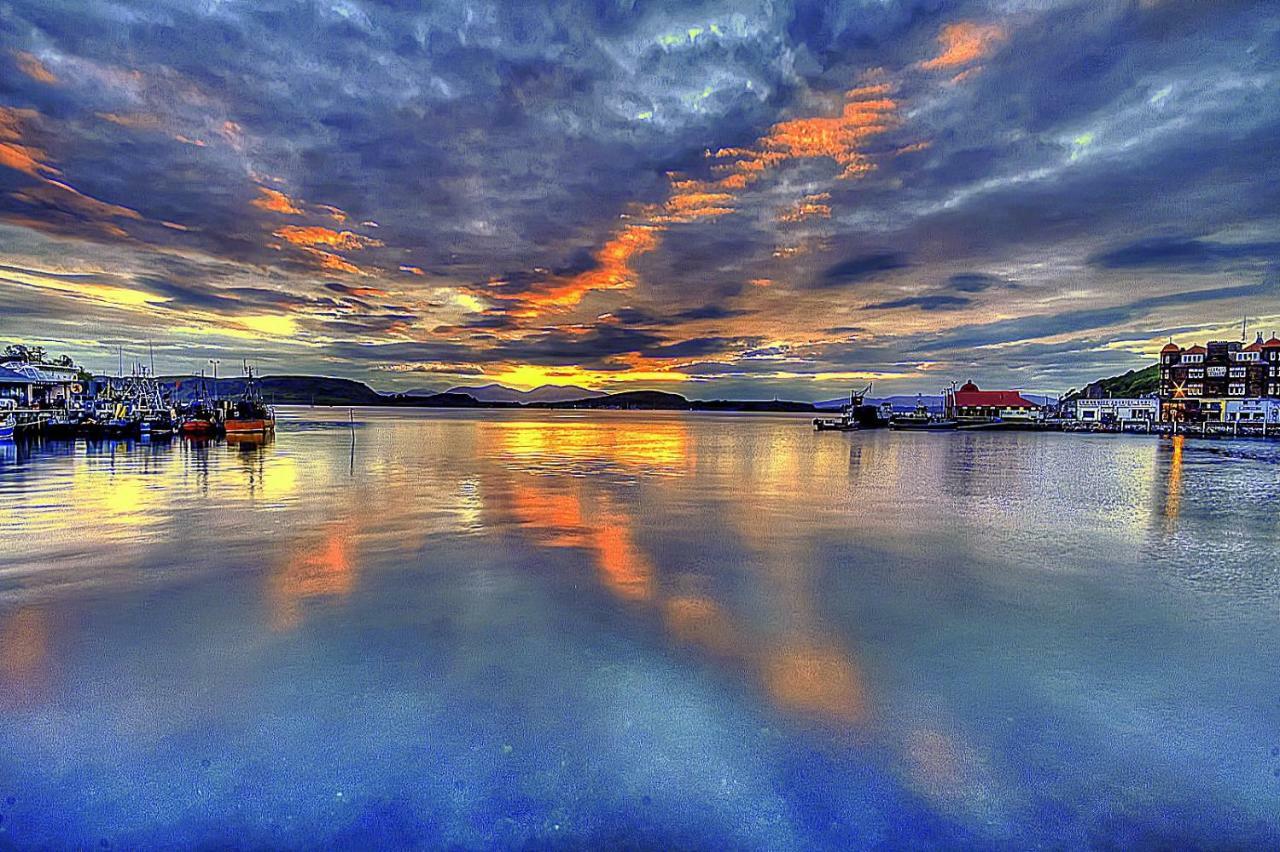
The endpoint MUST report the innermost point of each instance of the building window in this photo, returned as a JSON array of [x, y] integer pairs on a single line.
[[1236, 390], [1195, 373], [1195, 390], [1193, 359]]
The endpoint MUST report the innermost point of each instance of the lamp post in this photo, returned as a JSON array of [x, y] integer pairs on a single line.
[[215, 362]]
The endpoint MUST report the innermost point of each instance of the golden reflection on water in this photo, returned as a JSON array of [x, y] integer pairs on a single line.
[[24, 650], [312, 566], [323, 511], [652, 445], [1173, 483], [800, 667]]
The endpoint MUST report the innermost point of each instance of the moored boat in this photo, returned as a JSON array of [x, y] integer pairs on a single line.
[[8, 423], [249, 414], [921, 420]]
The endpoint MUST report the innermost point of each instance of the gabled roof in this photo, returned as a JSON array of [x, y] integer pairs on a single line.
[[970, 397], [41, 374], [1195, 350], [1255, 346], [9, 377]]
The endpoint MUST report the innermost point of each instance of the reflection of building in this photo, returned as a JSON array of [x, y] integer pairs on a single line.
[[1117, 410], [971, 403], [1195, 383]]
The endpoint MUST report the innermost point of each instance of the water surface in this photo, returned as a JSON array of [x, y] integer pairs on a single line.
[[510, 629]]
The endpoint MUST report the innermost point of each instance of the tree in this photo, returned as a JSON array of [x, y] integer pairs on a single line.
[[17, 352]]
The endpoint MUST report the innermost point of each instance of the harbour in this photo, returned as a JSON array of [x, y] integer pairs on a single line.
[[516, 627]]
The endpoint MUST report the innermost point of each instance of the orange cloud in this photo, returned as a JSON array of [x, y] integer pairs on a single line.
[[314, 236], [138, 121], [611, 272], [30, 65], [412, 270], [329, 260], [13, 153], [809, 207], [337, 214], [963, 43], [276, 202], [865, 113]]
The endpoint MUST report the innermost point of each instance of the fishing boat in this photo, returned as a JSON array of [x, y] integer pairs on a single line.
[[921, 419], [847, 419], [201, 421], [8, 423], [249, 414]]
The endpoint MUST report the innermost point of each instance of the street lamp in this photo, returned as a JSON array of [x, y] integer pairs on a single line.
[[215, 362]]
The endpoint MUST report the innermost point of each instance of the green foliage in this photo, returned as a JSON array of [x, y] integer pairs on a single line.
[[1134, 383]]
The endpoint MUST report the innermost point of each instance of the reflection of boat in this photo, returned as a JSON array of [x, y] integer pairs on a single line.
[[249, 438], [249, 414], [921, 420]]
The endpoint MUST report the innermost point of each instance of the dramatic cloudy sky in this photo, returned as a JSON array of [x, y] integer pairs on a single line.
[[724, 198]]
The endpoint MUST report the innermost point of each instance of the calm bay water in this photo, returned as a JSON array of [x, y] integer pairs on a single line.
[[663, 630]]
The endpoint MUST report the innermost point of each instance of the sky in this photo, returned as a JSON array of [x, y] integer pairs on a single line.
[[735, 198]]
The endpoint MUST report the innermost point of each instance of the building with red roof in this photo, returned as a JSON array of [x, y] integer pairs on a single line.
[[969, 401]]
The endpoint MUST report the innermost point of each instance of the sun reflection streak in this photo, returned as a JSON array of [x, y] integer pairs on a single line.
[[24, 650]]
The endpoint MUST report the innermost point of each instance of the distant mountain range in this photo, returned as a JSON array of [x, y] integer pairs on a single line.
[[323, 390], [307, 390]]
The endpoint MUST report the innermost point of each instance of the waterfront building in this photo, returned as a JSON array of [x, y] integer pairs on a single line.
[[1197, 382], [1142, 409], [1256, 411], [972, 403], [39, 385]]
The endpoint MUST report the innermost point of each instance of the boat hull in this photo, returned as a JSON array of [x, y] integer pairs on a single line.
[[199, 428], [932, 426], [835, 426], [249, 427]]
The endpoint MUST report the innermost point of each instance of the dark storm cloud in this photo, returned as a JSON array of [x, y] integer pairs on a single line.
[[710, 312], [1025, 328], [861, 268], [1181, 253], [976, 282], [924, 303], [698, 347]]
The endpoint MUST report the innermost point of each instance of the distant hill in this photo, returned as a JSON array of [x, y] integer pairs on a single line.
[[323, 390], [643, 399], [310, 390], [285, 390], [1134, 383], [542, 394], [651, 400]]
